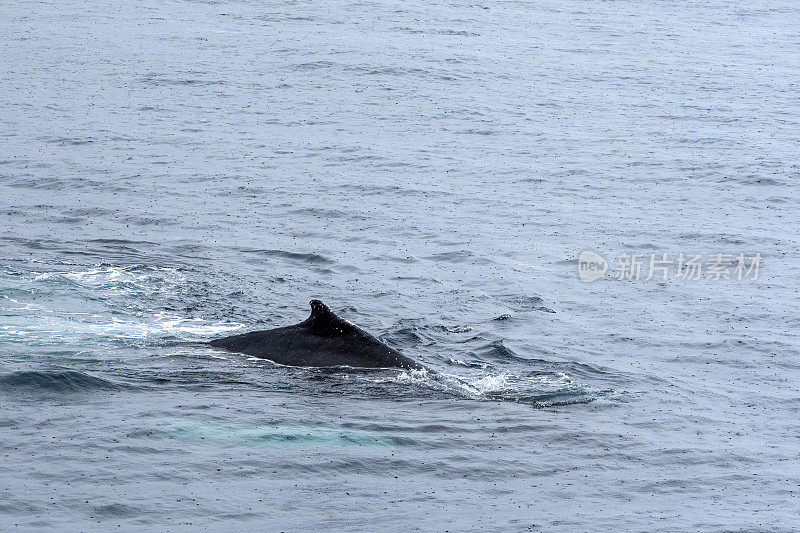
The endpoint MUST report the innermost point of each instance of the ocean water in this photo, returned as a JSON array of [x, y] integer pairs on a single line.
[[175, 171]]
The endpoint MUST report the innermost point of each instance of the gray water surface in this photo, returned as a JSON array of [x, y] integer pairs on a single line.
[[175, 171]]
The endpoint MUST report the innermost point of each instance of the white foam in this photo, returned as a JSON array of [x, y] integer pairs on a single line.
[[87, 326], [491, 383], [411, 376], [31, 321], [119, 280], [163, 325]]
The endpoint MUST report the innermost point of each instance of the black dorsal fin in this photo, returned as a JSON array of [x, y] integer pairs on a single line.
[[325, 322]]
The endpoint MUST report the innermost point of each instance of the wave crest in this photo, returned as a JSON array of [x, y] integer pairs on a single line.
[[53, 381]]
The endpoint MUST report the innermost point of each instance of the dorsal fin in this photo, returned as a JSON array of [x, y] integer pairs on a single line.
[[325, 322]]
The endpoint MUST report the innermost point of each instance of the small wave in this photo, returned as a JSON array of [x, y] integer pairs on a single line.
[[522, 303], [19, 306], [310, 258], [413, 331], [461, 256], [163, 79], [117, 510], [562, 398], [241, 435], [53, 381], [755, 179], [74, 141], [497, 350]]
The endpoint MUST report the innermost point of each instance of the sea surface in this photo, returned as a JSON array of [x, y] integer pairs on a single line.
[[176, 171]]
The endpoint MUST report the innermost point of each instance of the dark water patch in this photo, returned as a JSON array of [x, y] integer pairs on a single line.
[[454, 470], [305, 18], [567, 262], [117, 248], [117, 510], [189, 81], [779, 200], [418, 279], [149, 221], [59, 219], [376, 71], [189, 250], [473, 131], [308, 258], [314, 65], [520, 303], [636, 247], [12, 212], [755, 179], [406, 29], [119, 242], [327, 214], [362, 158], [43, 182], [322, 373], [393, 259], [389, 191], [9, 422], [559, 398], [72, 141], [734, 240], [195, 379], [460, 256], [456, 33], [107, 250], [584, 370], [82, 212], [48, 381]]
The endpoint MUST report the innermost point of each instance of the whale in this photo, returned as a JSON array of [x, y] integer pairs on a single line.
[[324, 339]]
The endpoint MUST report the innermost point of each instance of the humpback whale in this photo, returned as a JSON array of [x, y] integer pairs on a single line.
[[323, 339]]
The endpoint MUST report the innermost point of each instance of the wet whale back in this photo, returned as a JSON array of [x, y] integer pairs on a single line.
[[324, 339]]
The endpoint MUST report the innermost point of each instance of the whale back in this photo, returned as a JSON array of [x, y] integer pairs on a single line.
[[323, 339]]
